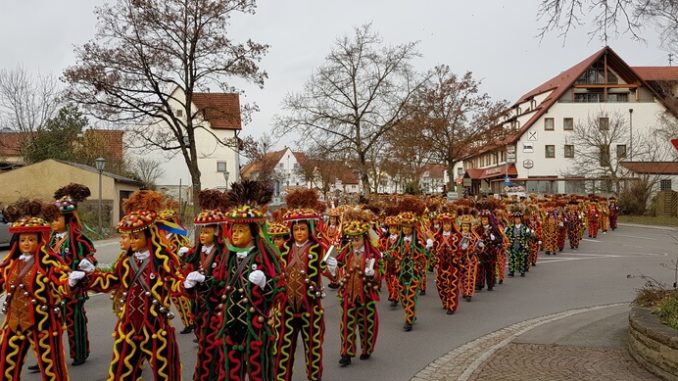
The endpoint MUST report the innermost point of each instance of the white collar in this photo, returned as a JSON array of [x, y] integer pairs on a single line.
[[393, 236], [447, 233], [301, 244], [242, 254], [408, 238], [207, 249], [26, 257], [60, 235], [142, 255]]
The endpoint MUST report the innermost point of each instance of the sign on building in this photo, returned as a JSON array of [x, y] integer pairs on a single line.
[[510, 154]]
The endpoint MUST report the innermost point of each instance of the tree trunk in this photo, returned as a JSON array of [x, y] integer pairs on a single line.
[[363, 174], [450, 175]]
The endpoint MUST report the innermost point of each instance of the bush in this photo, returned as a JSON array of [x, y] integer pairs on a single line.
[[668, 311], [633, 198]]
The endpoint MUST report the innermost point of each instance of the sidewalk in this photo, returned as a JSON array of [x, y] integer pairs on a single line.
[[587, 344]]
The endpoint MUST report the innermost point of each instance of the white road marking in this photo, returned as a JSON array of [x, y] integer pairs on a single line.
[[636, 236], [590, 240]]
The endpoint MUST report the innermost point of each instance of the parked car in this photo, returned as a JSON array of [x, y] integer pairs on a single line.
[[5, 236]]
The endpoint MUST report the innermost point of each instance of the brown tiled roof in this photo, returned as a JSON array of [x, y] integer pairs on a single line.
[[657, 73], [492, 172], [10, 142], [222, 110], [435, 171], [253, 167], [652, 167]]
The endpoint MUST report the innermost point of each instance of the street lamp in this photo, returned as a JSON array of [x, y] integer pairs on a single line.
[[631, 133], [100, 163], [226, 175]]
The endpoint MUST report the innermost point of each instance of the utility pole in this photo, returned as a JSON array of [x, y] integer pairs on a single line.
[[670, 59]]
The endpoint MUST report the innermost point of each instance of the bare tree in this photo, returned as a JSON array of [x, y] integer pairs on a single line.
[[148, 171], [259, 152], [614, 17], [27, 103], [144, 50], [452, 115], [354, 98]]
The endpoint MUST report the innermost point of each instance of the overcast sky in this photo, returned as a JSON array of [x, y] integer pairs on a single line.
[[494, 39]]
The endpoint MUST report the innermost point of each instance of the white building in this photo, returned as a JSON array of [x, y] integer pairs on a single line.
[[218, 117], [540, 154]]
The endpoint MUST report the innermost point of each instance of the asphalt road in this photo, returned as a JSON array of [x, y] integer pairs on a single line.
[[603, 271]]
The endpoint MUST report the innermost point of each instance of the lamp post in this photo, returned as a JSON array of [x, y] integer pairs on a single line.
[[100, 163], [631, 134]]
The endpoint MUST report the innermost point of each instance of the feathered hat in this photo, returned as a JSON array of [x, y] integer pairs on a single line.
[[276, 229], [467, 215], [302, 204], [410, 207], [391, 212], [29, 216], [249, 198], [68, 197], [141, 210], [212, 202], [516, 210], [356, 221]]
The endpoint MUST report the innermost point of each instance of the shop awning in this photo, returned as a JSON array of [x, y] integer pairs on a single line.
[[492, 172]]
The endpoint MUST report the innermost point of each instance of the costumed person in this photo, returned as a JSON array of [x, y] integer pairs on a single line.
[[358, 287], [562, 223], [532, 219], [604, 214], [492, 238], [278, 231], [331, 235], [550, 229], [391, 259], [448, 267], [593, 217], [574, 223], [77, 251], [614, 212], [300, 310], [468, 247], [519, 236], [35, 281], [177, 237], [254, 281], [142, 282], [411, 250], [207, 275], [502, 219]]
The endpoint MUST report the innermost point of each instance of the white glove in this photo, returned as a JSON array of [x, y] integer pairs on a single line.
[[539, 242], [182, 250], [332, 265], [561, 224], [492, 237], [193, 278], [74, 277], [369, 271], [258, 277], [429, 243], [481, 245], [86, 266]]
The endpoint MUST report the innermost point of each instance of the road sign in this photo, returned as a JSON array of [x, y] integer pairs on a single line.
[[675, 143]]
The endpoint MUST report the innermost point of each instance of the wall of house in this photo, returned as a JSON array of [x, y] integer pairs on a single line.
[[289, 172]]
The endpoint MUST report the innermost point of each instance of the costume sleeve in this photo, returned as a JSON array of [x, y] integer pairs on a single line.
[[107, 280]]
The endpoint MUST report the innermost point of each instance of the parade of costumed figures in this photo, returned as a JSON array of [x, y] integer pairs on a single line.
[[77, 251], [411, 253], [300, 311], [35, 281], [448, 268], [388, 240], [550, 229], [177, 237], [206, 268], [254, 281], [358, 290], [519, 236], [277, 230], [143, 280]]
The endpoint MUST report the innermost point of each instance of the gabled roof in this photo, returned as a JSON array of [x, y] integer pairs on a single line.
[[657, 73], [117, 178], [222, 110], [435, 171], [652, 167], [255, 166]]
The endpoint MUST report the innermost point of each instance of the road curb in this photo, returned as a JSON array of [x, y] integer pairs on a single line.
[[460, 363], [658, 227]]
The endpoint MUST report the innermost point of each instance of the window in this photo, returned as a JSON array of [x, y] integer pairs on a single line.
[[179, 112], [665, 185], [604, 155], [568, 124], [550, 151], [569, 151], [618, 97], [621, 151], [460, 171], [588, 97], [549, 124], [221, 166], [604, 123]]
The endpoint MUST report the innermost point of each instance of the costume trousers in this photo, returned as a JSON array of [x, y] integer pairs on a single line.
[[448, 283], [408, 293], [251, 361], [76, 326], [311, 326], [533, 254], [470, 276], [604, 223], [424, 275], [486, 272], [211, 357], [362, 318], [573, 236], [501, 264], [392, 282], [593, 229], [517, 260], [47, 346], [562, 234], [183, 305], [132, 348]]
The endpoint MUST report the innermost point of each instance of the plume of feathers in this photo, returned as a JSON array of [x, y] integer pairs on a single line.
[[26, 207], [391, 210], [411, 204], [250, 192], [302, 199], [77, 192], [467, 211], [320, 207], [144, 200], [277, 215], [210, 199], [171, 203], [357, 213]]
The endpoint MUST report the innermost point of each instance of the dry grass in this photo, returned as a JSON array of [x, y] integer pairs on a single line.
[[653, 297]]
